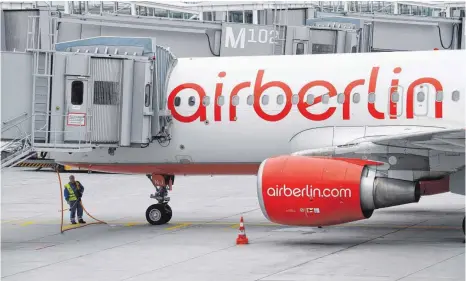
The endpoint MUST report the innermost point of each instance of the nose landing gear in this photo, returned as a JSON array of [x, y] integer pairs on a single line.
[[161, 212]]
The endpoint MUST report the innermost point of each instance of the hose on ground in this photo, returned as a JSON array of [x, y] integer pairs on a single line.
[[80, 202]]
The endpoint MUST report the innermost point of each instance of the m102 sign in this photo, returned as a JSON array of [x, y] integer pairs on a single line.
[[243, 39]]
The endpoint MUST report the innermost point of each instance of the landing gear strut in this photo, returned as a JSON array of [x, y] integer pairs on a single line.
[[161, 212]]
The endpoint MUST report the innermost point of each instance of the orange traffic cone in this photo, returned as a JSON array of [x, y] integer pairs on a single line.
[[242, 239]]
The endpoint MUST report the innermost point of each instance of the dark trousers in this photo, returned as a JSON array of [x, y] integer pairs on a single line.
[[76, 205]]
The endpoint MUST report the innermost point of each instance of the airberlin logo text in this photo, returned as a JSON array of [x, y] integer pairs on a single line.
[[308, 191], [259, 85]]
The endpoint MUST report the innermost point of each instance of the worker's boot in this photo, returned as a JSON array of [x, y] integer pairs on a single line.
[[81, 221], [73, 222]]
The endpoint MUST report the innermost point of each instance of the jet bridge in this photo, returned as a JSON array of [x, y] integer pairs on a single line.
[[100, 92]]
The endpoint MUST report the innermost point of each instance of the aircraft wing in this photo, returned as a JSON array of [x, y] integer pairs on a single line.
[[436, 152], [436, 140]]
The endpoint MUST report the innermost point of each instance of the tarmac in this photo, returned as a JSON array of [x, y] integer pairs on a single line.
[[421, 241]]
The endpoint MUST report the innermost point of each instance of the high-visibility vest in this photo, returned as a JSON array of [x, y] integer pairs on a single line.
[[72, 196]]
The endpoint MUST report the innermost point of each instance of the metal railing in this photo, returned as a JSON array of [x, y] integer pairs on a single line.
[[73, 138], [19, 125], [19, 120], [18, 117], [20, 151], [19, 145]]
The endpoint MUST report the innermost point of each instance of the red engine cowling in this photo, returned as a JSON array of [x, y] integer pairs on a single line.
[[309, 191]]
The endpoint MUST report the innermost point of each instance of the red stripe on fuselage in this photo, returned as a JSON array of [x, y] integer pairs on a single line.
[[174, 169]]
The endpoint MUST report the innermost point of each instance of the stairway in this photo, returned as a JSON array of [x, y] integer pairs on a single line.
[[17, 157], [16, 151], [17, 146]]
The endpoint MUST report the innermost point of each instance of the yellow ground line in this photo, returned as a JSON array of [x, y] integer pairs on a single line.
[[27, 223], [70, 226], [132, 223], [15, 220], [231, 225], [181, 225], [236, 225]]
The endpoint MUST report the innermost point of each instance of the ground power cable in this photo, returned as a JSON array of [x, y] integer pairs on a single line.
[[80, 202]]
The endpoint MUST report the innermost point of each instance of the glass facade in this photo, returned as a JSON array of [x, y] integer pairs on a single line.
[[235, 14]]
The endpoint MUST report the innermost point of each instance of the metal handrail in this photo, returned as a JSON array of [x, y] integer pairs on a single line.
[[25, 148], [11, 119], [20, 139], [4, 129], [84, 138]]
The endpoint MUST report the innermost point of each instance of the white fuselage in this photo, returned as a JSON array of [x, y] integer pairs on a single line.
[[216, 137]]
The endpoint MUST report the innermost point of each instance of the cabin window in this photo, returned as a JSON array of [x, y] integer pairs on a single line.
[[421, 97], [235, 100], [250, 100], [280, 99], [77, 92], [177, 101], [325, 99], [192, 101], [371, 98], [295, 99], [395, 97], [310, 99], [220, 100], [300, 49], [265, 99], [356, 97], [341, 98], [439, 96], [206, 100], [455, 96]]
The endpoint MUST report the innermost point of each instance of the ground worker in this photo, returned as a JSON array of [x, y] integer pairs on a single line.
[[73, 192]]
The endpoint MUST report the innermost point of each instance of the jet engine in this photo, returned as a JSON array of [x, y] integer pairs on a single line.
[[311, 191]]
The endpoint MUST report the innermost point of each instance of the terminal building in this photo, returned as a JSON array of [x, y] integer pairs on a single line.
[[209, 28], [32, 34]]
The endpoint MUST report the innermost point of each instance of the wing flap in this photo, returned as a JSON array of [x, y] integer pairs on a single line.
[[441, 140]]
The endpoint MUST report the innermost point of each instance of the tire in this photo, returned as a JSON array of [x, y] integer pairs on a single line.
[[169, 212], [60, 168], [156, 214], [463, 225]]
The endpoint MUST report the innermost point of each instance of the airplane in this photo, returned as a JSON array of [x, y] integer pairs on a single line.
[[331, 137]]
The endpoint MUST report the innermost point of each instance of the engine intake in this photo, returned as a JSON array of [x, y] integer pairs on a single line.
[[308, 191]]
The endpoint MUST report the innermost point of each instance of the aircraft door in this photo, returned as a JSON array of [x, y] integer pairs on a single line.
[[395, 101], [77, 102]]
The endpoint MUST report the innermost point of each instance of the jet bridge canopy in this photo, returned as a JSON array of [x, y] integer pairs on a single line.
[[115, 93], [103, 91]]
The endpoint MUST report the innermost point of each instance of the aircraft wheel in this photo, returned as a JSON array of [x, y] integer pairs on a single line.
[[157, 214], [463, 225], [169, 212], [60, 168]]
